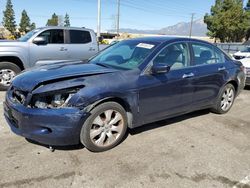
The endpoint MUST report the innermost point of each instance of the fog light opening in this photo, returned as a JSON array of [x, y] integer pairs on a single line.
[[46, 130]]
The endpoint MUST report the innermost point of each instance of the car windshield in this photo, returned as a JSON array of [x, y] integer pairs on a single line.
[[26, 37], [125, 54], [246, 49]]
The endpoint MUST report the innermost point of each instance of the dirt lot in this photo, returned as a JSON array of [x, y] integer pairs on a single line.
[[201, 149]]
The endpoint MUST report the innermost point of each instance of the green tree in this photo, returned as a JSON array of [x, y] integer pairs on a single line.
[[32, 26], [24, 23], [66, 20], [247, 8], [53, 21], [9, 18], [228, 21], [248, 5]]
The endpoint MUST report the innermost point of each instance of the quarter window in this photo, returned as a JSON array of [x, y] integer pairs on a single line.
[[207, 54], [55, 36], [175, 55], [79, 37]]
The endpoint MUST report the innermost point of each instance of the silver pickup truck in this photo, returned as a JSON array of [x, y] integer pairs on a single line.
[[43, 46]]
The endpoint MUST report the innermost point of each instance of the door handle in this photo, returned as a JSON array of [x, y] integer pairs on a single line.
[[189, 75], [91, 49], [221, 68], [63, 49]]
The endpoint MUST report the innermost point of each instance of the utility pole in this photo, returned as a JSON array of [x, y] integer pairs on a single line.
[[99, 19], [191, 25], [118, 18]]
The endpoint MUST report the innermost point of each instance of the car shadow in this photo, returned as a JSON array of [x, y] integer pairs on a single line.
[[247, 88], [138, 130], [166, 122], [65, 148]]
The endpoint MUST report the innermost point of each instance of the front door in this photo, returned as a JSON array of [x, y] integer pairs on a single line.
[[53, 50], [165, 94]]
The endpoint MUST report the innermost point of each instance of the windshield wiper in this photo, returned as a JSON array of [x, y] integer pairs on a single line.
[[103, 65]]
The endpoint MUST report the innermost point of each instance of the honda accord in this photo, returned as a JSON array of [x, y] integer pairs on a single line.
[[129, 84]]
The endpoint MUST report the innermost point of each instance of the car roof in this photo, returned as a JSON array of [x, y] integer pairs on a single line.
[[61, 27], [163, 39]]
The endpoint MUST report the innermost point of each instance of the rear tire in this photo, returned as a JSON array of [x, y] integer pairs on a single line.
[[225, 100], [104, 128], [8, 71]]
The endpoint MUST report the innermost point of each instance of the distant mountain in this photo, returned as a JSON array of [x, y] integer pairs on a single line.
[[181, 29]]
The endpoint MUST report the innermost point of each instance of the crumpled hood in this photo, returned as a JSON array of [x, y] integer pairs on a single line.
[[33, 78]]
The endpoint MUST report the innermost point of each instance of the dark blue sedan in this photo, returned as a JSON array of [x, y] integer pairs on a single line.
[[131, 83]]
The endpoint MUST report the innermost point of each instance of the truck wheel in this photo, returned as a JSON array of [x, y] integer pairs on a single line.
[[104, 128], [8, 71]]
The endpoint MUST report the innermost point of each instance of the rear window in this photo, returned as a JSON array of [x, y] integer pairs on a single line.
[[79, 37]]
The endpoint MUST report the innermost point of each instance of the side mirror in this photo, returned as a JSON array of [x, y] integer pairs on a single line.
[[160, 68], [40, 41]]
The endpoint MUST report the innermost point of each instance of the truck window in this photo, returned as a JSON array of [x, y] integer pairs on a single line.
[[79, 37], [54, 36]]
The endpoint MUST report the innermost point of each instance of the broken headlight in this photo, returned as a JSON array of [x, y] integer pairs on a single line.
[[55, 99]]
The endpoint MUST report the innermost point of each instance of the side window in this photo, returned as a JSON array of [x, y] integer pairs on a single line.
[[54, 36], [175, 55], [207, 54], [79, 37], [220, 57]]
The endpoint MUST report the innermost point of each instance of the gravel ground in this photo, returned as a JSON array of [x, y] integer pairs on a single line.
[[200, 149]]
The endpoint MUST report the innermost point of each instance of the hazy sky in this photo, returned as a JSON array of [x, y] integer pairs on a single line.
[[135, 14]]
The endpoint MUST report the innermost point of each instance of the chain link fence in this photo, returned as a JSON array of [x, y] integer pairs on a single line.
[[231, 48]]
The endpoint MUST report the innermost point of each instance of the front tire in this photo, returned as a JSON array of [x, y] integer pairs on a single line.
[[225, 100], [104, 128], [8, 71]]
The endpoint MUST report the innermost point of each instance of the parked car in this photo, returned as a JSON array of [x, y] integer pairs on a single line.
[[246, 63], [244, 57], [131, 83], [44, 46], [244, 53]]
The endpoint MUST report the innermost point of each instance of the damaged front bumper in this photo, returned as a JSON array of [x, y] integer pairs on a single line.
[[55, 127]]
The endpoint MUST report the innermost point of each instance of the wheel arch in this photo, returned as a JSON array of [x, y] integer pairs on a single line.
[[13, 59], [118, 100], [235, 84]]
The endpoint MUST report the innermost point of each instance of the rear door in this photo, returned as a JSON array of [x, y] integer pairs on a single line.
[[210, 72], [80, 44], [53, 50]]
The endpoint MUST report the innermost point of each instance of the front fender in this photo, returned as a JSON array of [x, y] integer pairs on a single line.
[[19, 53]]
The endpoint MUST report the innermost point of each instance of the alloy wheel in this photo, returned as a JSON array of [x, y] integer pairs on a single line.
[[227, 99], [106, 128]]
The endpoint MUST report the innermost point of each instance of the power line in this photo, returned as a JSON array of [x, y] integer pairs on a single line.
[[161, 7], [151, 11]]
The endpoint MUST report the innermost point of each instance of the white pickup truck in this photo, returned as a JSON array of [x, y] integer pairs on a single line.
[[43, 46]]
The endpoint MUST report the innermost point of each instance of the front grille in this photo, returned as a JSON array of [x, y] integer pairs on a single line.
[[237, 57], [19, 96]]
